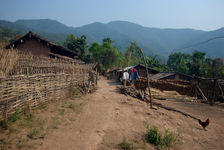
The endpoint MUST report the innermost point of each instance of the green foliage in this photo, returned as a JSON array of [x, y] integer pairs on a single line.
[[196, 64], [179, 62], [106, 55], [133, 54], [155, 63], [125, 145], [15, 116], [78, 45], [153, 136], [169, 139]]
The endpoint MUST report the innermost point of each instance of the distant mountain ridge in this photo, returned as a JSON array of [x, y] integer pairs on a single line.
[[154, 41]]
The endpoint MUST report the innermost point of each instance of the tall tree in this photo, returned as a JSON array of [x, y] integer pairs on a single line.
[[133, 54], [179, 62], [106, 55], [78, 45]]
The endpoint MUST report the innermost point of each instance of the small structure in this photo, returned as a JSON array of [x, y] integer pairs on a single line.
[[40, 46], [117, 73], [141, 70], [171, 76]]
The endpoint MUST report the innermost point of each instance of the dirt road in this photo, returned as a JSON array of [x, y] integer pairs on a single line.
[[107, 117]]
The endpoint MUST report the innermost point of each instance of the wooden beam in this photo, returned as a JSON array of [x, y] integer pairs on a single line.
[[200, 91], [220, 89]]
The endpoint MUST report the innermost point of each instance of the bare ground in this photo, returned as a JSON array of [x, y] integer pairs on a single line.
[[103, 119]]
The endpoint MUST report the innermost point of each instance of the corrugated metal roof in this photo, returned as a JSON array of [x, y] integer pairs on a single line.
[[161, 75], [130, 67]]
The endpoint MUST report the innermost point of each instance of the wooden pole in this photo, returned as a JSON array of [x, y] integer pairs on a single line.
[[150, 95], [213, 91]]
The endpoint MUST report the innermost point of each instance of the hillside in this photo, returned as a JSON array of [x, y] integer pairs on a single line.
[[154, 41]]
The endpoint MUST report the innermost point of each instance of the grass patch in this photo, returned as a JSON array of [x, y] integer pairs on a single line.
[[15, 116], [125, 145], [169, 139]]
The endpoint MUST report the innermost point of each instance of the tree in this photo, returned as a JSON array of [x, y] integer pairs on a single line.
[[179, 62], [106, 55], [197, 61], [155, 63], [133, 54], [78, 45], [107, 40]]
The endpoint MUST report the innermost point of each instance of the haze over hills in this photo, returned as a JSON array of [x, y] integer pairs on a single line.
[[154, 41]]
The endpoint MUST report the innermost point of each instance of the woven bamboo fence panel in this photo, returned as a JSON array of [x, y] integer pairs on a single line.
[[32, 80], [18, 92]]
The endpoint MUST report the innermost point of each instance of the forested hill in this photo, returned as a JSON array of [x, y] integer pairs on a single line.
[[153, 40]]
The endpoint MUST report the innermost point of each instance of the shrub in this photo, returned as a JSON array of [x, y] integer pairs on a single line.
[[169, 139], [153, 136]]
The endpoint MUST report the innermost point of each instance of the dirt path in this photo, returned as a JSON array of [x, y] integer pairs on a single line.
[[107, 117]]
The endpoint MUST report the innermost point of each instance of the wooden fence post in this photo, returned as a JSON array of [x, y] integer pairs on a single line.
[[213, 92], [146, 68]]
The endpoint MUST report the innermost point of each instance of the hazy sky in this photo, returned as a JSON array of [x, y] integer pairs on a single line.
[[197, 14]]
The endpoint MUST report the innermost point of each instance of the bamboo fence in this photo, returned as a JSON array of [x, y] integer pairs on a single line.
[[32, 80]]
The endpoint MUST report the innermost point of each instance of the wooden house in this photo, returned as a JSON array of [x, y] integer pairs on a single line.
[[40, 46]]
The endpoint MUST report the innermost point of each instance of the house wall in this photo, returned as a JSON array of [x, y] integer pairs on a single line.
[[35, 47]]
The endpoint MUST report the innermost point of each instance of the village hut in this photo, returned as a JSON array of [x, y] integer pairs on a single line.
[[40, 46]]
